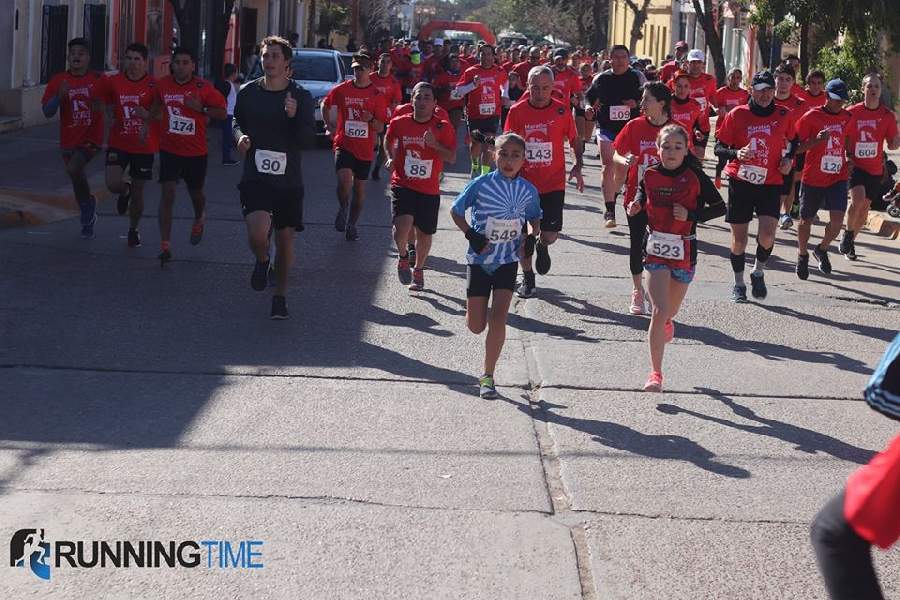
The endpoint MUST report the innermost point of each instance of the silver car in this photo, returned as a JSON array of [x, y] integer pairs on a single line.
[[318, 71]]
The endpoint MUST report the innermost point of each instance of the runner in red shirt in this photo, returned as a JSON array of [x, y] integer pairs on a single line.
[[688, 113], [534, 60], [753, 138], [873, 126], [728, 97], [418, 144], [814, 94], [586, 78], [187, 103], [355, 113], [566, 81], [824, 134], [385, 82], [668, 70], [445, 87], [785, 97], [133, 135], [78, 95], [675, 201], [484, 87], [702, 88], [546, 124]]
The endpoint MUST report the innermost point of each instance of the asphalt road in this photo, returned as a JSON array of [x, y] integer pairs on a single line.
[[141, 403]]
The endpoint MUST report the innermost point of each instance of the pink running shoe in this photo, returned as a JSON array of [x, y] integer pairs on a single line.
[[637, 303], [654, 382]]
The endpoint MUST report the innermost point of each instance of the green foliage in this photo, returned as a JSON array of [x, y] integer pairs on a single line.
[[858, 55], [332, 17]]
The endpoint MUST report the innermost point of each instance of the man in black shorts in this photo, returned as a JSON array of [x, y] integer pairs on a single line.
[[273, 122]]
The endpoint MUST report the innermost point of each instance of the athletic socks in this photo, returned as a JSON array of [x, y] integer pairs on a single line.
[[485, 169], [610, 207], [737, 265], [762, 255]]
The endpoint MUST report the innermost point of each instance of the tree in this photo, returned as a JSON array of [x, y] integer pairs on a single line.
[[189, 17], [637, 24], [187, 13], [713, 39]]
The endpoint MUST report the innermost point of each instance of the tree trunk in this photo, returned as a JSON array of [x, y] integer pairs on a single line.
[[220, 20], [804, 50], [713, 39], [637, 24], [764, 41], [311, 26], [187, 13], [600, 10]]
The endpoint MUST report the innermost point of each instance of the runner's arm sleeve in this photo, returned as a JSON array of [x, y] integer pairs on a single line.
[[641, 195], [723, 150], [710, 204], [51, 106], [304, 119], [792, 147]]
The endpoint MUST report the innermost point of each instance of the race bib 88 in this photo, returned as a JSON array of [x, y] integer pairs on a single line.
[[416, 168]]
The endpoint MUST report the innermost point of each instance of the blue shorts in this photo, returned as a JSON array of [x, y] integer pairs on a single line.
[[684, 276], [813, 199], [605, 135]]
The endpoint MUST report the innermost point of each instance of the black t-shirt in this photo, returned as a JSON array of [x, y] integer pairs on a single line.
[[612, 90], [259, 114]]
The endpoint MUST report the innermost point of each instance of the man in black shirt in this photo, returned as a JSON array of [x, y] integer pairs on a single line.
[[273, 122], [613, 100]]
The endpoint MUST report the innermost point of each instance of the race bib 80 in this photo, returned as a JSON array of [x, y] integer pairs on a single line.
[[269, 162]]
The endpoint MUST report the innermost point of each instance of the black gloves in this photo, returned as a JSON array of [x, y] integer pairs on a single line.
[[477, 241]]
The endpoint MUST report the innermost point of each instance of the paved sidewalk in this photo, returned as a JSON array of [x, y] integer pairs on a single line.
[[162, 404]]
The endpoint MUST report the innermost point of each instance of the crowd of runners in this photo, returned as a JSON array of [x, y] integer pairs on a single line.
[[787, 151]]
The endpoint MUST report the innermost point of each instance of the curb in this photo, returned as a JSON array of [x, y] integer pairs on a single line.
[[882, 225]]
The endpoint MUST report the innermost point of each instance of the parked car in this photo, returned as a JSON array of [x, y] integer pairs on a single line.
[[318, 71]]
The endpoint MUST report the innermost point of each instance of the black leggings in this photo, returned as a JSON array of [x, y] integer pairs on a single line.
[[637, 229], [845, 559]]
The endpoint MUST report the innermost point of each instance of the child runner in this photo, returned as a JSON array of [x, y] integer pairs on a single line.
[[501, 203], [675, 202]]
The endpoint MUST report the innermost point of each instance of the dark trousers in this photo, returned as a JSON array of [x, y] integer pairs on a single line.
[[227, 140]]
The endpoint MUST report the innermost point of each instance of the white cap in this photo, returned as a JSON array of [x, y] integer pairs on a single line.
[[696, 54], [438, 41]]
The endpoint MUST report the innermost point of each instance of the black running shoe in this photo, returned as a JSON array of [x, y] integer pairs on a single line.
[[758, 285], [134, 238], [260, 277], [803, 266], [739, 294], [164, 257], [352, 233], [851, 253], [279, 308], [844, 245], [542, 263], [340, 221], [123, 201], [525, 289], [821, 257]]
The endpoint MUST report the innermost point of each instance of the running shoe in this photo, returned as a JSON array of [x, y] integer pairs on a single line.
[[487, 390], [758, 285], [803, 266], [340, 221], [525, 289], [847, 247], [134, 238], [87, 229], [164, 257], [403, 271], [637, 303], [260, 276], [821, 257], [352, 233], [123, 200], [411, 252], [670, 330], [739, 294], [418, 280], [785, 222], [196, 233], [542, 263], [279, 308], [230, 163], [851, 252], [654, 382], [610, 218]]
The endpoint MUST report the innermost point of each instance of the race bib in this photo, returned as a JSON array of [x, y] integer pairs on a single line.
[[752, 174], [831, 164], [487, 108], [619, 113], [271, 163], [539, 152], [642, 168], [866, 150], [356, 129], [416, 168], [665, 245], [455, 95], [181, 125], [702, 101], [503, 230]]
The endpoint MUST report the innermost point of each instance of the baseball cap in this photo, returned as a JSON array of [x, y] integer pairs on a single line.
[[361, 60], [696, 54], [837, 90], [560, 52], [438, 41], [682, 45], [763, 80]]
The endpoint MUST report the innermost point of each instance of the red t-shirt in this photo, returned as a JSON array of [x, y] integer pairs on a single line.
[[668, 71], [416, 166], [485, 101], [872, 498], [795, 104], [703, 90], [814, 101], [868, 132], [662, 192], [79, 123], [727, 99], [767, 136], [407, 109], [125, 95], [638, 138], [184, 129], [825, 162], [388, 86], [522, 70], [545, 131], [566, 83], [445, 88], [689, 114], [353, 133]]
